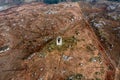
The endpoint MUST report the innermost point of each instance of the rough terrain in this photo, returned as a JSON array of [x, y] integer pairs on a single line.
[[28, 49], [104, 18]]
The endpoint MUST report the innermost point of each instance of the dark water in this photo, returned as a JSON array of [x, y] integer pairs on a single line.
[[57, 1], [51, 1], [6, 2]]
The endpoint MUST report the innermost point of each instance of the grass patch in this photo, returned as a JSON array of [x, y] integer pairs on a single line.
[[95, 59], [67, 42], [97, 73], [42, 54], [90, 47], [97, 79], [75, 77]]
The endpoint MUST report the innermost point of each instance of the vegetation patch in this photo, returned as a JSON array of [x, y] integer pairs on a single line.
[[42, 54], [77, 32], [67, 42], [90, 47], [76, 77], [95, 59], [97, 79], [97, 73]]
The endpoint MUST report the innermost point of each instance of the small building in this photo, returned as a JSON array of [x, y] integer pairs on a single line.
[[59, 40]]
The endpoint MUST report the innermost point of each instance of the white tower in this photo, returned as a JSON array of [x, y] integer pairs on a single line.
[[59, 40]]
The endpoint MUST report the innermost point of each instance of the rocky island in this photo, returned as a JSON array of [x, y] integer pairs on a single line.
[[30, 35]]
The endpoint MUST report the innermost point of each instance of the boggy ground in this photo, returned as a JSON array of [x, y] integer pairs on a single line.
[[28, 49]]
